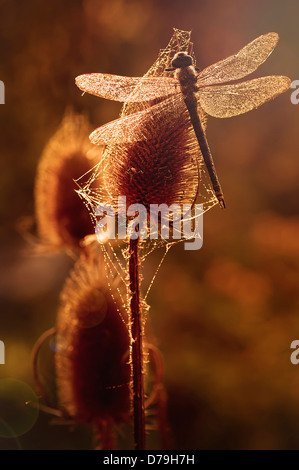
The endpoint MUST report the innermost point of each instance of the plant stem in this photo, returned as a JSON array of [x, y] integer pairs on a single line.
[[136, 346], [106, 437]]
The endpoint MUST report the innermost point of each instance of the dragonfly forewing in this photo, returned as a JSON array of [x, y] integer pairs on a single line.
[[138, 126], [129, 89], [231, 100], [244, 62]]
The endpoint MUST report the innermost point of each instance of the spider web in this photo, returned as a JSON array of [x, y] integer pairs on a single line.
[[94, 191]]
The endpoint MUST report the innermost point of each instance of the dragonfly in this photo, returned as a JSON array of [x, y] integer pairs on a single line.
[[189, 88]]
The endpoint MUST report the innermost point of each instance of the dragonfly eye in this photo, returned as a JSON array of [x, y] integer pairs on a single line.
[[181, 59]]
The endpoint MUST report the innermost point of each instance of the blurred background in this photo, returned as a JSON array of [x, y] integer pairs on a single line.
[[224, 316]]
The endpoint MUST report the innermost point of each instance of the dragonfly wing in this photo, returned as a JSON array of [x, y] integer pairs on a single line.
[[230, 100], [136, 127], [244, 62], [129, 89]]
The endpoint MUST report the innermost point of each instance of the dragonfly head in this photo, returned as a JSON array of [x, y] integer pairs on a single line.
[[181, 59]]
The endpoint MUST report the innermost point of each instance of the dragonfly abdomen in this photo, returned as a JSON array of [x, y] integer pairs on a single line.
[[191, 103]]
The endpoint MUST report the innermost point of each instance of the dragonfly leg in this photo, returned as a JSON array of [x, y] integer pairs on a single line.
[[221, 202]]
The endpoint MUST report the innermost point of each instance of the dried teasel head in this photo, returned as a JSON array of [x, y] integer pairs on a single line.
[[160, 167], [62, 219], [92, 351]]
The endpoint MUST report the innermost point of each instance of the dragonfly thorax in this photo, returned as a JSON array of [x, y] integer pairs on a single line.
[[184, 72], [181, 59]]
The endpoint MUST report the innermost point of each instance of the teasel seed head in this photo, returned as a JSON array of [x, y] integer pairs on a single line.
[[92, 353], [160, 169], [62, 219]]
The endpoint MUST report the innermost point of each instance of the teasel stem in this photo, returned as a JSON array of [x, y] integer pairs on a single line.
[[106, 436], [136, 346]]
